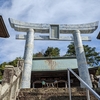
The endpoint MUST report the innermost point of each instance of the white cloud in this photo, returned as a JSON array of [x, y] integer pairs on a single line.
[[46, 11]]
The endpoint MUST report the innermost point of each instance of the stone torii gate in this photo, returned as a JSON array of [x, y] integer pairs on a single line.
[[55, 31]]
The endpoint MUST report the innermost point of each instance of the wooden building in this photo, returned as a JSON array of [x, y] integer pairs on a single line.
[[55, 69]]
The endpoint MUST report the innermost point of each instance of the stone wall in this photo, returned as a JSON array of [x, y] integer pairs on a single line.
[[53, 94]]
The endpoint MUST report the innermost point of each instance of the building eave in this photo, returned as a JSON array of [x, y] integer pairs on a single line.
[[3, 30], [98, 37]]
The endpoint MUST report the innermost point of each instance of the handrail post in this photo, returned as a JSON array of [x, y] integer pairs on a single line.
[[69, 85], [87, 94]]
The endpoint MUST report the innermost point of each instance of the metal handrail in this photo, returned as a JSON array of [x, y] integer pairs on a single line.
[[86, 85]]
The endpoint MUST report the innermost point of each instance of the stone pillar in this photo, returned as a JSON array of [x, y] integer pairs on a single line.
[[81, 59], [13, 91], [7, 80], [8, 74], [28, 55], [0, 89]]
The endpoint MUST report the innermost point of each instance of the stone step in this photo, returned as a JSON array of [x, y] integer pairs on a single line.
[[53, 98], [52, 94]]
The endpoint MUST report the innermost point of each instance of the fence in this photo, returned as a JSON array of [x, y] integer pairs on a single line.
[[10, 86]]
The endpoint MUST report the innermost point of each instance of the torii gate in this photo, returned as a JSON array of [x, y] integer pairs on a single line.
[[54, 31]]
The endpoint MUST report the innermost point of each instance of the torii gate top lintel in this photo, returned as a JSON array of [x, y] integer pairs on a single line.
[[45, 28]]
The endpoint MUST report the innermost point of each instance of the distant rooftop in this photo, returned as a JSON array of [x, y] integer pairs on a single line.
[[3, 30]]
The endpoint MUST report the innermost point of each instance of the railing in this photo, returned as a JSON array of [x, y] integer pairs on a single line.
[[10, 86], [88, 88]]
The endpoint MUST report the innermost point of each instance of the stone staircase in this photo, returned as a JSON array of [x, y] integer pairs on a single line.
[[53, 94]]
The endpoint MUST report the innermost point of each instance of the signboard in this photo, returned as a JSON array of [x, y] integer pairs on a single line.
[[54, 31]]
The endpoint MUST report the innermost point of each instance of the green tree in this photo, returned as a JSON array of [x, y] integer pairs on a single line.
[[71, 50], [98, 71], [92, 57], [52, 52], [14, 62], [0, 75], [39, 54], [2, 66]]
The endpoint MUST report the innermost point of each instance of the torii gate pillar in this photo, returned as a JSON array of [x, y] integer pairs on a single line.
[[28, 55], [81, 59]]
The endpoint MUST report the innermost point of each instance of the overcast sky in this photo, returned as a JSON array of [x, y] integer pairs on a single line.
[[46, 11]]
